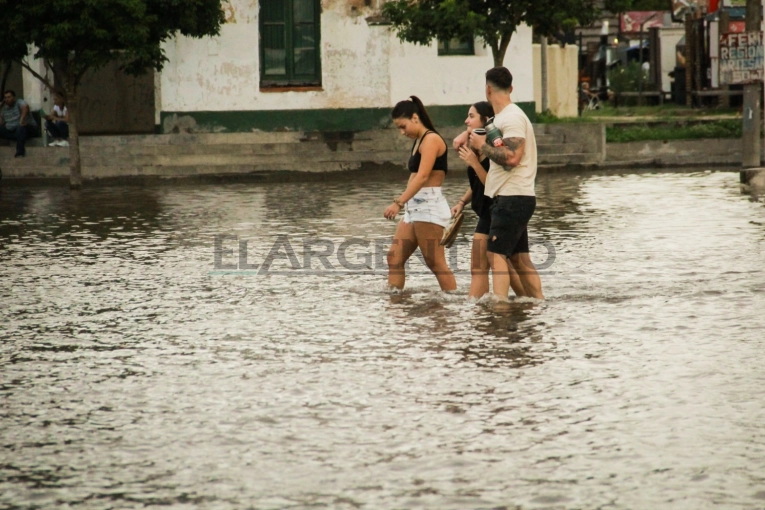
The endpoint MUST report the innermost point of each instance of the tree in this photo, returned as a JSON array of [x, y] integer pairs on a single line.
[[73, 37], [11, 49], [494, 21], [620, 6]]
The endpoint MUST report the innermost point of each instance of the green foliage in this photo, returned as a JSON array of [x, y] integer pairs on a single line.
[[627, 79], [619, 6], [724, 128], [548, 117], [74, 36], [494, 21]]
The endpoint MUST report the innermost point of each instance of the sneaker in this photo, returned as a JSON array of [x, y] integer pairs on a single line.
[[53, 144], [19, 156], [63, 143]]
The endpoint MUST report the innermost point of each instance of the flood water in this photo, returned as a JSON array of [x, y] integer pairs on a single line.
[[136, 370]]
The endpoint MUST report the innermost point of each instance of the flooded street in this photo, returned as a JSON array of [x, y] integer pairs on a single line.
[[138, 367]]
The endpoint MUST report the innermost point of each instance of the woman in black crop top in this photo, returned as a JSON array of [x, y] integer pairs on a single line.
[[426, 211], [478, 169]]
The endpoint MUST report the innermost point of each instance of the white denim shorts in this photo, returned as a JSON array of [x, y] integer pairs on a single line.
[[429, 206]]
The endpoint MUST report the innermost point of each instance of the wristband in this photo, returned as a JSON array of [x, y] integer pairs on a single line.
[[398, 203]]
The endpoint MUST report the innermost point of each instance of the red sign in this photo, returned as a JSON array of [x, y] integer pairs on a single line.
[[737, 27], [631, 21]]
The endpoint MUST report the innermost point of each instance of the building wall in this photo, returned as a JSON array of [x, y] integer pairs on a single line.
[[110, 101], [562, 73], [212, 84]]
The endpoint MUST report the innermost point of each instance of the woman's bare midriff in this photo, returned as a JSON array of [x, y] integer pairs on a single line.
[[435, 180]]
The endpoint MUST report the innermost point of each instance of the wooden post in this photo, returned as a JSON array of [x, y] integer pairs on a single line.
[[640, 69], [724, 24], [688, 58], [750, 136], [698, 52]]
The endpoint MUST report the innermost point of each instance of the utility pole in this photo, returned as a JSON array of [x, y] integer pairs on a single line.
[[689, 54], [752, 101]]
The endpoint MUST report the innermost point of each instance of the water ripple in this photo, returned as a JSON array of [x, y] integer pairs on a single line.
[[133, 374]]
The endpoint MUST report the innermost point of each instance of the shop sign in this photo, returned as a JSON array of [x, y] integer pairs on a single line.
[[741, 58]]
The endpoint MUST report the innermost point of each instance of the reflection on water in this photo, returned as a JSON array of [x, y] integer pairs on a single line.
[[132, 373]]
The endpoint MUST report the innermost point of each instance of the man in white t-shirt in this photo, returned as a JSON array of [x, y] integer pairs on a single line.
[[510, 186]]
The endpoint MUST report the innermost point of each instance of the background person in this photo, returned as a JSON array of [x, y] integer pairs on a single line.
[[478, 168], [427, 212], [510, 184], [57, 122], [16, 122]]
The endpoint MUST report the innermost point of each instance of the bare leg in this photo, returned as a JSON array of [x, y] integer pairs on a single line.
[[515, 281], [500, 275], [428, 236], [479, 267], [529, 277], [404, 244]]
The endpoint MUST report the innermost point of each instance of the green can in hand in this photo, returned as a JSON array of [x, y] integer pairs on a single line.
[[493, 134]]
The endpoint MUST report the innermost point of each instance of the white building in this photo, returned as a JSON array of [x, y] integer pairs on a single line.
[[321, 65]]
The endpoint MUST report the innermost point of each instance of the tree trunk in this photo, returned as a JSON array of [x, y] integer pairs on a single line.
[[6, 72], [75, 168], [499, 52]]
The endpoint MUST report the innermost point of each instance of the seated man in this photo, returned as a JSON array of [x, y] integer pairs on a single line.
[[57, 123], [16, 121], [587, 99]]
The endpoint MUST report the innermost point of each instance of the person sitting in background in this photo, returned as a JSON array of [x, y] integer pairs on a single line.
[[16, 122], [588, 100], [57, 123]]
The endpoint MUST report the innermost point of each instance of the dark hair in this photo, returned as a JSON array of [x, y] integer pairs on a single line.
[[485, 110], [9, 91], [406, 109], [499, 78]]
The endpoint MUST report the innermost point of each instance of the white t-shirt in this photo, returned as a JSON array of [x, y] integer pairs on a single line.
[[513, 123], [58, 111]]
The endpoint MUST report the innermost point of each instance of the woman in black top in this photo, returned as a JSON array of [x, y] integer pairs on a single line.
[[426, 211], [478, 169]]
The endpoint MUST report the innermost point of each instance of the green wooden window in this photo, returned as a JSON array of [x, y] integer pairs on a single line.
[[456, 47], [290, 43]]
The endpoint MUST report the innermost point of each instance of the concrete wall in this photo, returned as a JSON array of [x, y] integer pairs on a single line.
[[110, 101], [669, 39], [14, 81], [363, 66], [562, 74], [275, 155], [676, 152]]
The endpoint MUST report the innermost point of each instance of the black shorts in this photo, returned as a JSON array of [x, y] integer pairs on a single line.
[[510, 215], [484, 225]]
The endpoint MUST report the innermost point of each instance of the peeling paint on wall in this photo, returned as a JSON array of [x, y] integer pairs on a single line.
[[229, 12], [179, 124]]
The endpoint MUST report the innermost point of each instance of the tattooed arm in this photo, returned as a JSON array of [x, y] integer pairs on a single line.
[[508, 155]]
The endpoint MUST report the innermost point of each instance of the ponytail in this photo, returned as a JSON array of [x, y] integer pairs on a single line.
[[406, 109]]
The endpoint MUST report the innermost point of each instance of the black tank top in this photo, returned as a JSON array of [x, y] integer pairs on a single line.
[[414, 159], [480, 203]]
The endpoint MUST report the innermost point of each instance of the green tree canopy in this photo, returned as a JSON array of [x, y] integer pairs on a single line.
[[620, 6], [494, 21], [75, 36]]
